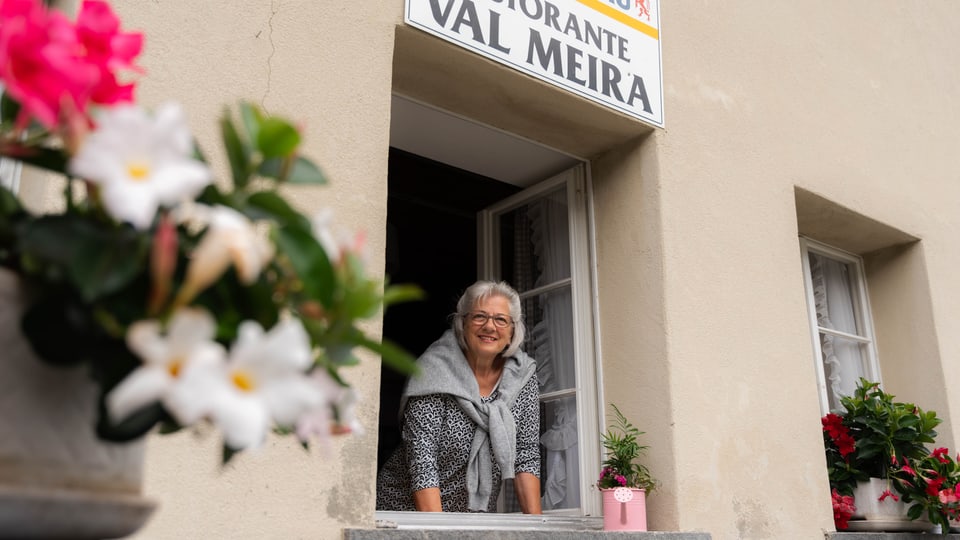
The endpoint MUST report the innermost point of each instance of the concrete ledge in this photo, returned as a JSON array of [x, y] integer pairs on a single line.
[[452, 534], [888, 536]]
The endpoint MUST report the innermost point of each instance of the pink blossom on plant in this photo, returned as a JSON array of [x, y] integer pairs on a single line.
[[939, 453], [887, 493], [40, 62], [933, 486], [839, 434], [163, 261], [107, 49], [621, 480], [843, 509]]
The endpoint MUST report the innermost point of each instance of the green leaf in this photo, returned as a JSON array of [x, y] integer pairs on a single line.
[[362, 299], [305, 171], [302, 171], [309, 261], [237, 152], [105, 262], [9, 204], [397, 294], [269, 204], [227, 454], [9, 109], [133, 427], [98, 259], [392, 355], [252, 118], [212, 196], [277, 138], [57, 314], [44, 158]]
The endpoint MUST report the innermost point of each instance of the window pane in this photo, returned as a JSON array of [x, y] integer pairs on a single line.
[[549, 339], [535, 242], [834, 294], [844, 362], [560, 454]]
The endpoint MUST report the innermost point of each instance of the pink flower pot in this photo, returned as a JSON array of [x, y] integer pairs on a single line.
[[624, 509]]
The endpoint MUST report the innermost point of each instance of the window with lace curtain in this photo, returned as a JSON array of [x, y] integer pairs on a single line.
[[841, 327]]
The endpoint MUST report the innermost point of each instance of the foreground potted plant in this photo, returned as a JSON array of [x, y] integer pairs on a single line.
[[930, 486], [624, 482], [154, 297], [863, 443]]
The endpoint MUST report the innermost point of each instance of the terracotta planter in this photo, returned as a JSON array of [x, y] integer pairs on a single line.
[[57, 480], [889, 515], [624, 509]]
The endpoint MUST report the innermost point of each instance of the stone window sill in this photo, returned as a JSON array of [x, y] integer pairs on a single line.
[[504, 534]]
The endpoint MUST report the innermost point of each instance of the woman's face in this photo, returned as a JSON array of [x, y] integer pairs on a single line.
[[487, 340]]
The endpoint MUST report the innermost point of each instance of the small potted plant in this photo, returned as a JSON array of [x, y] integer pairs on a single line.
[[623, 480], [864, 443], [930, 486]]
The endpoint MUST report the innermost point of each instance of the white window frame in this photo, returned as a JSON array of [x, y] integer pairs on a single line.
[[586, 340], [861, 305], [581, 280], [10, 174]]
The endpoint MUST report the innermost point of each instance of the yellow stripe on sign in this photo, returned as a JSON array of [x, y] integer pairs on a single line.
[[618, 15]]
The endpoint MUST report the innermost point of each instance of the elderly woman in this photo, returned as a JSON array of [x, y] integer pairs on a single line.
[[471, 416]]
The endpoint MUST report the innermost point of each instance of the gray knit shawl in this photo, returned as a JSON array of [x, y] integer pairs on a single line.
[[444, 370]]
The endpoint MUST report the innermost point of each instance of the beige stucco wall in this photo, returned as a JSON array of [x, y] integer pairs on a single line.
[[853, 101], [328, 66], [702, 313]]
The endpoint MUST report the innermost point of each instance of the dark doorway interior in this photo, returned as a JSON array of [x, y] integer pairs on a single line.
[[431, 242]]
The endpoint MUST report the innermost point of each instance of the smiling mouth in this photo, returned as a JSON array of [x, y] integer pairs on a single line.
[[488, 339]]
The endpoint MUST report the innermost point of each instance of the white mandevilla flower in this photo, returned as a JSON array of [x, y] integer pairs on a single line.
[[230, 238], [319, 422], [337, 245], [140, 162], [264, 382], [168, 357]]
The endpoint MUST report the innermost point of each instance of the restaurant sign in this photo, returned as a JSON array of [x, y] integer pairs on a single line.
[[604, 50]]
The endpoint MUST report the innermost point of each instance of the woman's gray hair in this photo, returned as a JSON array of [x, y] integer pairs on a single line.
[[483, 290]]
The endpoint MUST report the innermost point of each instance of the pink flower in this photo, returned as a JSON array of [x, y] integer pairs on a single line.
[[40, 61], [163, 262], [843, 509], [939, 453], [933, 486], [839, 434], [98, 31], [621, 480], [888, 493], [54, 68]]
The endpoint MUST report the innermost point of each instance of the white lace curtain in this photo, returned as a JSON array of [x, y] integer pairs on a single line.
[[552, 338], [834, 301]]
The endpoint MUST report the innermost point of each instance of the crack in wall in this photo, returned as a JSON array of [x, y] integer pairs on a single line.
[[274, 9]]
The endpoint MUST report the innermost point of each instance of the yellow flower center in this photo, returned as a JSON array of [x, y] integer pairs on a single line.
[[174, 366], [242, 380], [138, 170]]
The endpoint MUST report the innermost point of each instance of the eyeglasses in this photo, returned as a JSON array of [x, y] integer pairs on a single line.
[[479, 319]]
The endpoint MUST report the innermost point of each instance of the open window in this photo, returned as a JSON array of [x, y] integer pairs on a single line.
[[537, 241], [840, 321], [448, 227]]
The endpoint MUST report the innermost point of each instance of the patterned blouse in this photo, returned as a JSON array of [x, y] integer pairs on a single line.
[[436, 446]]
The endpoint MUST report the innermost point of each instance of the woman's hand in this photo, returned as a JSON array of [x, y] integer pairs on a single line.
[[527, 487], [428, 500]]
